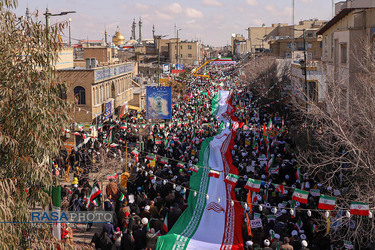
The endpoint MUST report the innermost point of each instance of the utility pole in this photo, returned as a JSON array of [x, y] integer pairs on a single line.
[[178, 56], [159, 40]]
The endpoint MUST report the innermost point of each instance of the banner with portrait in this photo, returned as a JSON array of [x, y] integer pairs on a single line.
[[159, 103]]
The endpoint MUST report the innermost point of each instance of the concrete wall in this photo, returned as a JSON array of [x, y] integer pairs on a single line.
[[65, 59], [102, 54]]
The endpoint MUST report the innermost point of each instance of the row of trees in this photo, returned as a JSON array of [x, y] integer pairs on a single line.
[[341, 153], [340, 131], [32, 117]]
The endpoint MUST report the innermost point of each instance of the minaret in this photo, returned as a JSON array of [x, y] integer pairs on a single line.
[[153, 31], [140, 29], [105, 37], [27, 13], [133, 30]]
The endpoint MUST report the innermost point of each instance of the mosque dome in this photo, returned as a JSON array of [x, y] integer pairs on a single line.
[[118, 38]]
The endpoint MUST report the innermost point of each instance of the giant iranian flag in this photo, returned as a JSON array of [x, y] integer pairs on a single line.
[[207, 223]]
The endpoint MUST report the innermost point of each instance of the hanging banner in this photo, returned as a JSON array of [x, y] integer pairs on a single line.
[[159, 103]]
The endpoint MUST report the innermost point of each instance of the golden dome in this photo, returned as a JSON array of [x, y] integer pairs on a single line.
[[118, 38]]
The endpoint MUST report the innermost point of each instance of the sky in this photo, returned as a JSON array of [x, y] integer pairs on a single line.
[[210, 21]]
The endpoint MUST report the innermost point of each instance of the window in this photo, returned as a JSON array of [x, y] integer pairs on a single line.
[[79, 95], [181, 47], [313, 94], [181, 56], [289, 45], [190, 55], [344, 53], [189, 47]]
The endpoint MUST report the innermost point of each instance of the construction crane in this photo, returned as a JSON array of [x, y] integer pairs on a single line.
[[196, 70]]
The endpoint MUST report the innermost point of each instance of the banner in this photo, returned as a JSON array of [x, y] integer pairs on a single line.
[[159, 103], [166, 68]]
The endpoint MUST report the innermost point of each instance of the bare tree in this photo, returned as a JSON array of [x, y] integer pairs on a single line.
[[342, 154]]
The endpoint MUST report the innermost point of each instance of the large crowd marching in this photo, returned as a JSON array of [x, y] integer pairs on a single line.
[[156, 194]]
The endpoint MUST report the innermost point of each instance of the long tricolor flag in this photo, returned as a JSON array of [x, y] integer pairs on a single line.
[[327, 202], [359, 208], [214, 173], [300, 195], [232, 179], [253, 185]]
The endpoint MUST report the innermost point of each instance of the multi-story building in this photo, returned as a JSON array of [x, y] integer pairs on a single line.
[[353, 25], [239, 45], [98, 92], [285, 47], [259, 37], [189, 52]]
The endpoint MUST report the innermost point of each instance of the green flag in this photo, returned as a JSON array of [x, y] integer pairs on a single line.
[[56, 207]]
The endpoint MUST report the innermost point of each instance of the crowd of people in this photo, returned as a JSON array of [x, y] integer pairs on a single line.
[[158, 188]]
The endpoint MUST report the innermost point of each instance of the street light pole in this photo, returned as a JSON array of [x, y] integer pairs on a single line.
[[307, 94], [70, 36], [159, 39]]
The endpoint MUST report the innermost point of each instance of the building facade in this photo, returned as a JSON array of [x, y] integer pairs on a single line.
[[65, 59], [189, 52], [342, 37], [260, 37], [98, 92]]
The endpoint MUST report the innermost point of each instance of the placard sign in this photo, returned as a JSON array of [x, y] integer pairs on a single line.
[[256, 223]]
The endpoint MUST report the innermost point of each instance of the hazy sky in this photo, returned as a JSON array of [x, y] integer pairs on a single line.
[[211, 21]]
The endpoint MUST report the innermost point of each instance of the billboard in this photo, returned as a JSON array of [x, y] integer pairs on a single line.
[[159, 103], [166, 68], [178, 66]]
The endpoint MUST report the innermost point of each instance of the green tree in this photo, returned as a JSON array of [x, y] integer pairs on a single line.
[[32, 117]]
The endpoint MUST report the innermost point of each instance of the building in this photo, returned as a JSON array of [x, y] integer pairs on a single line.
[[65, 59], [118, 38], [259, 37], [98, 92], [342, 35], [240, 45], [190, 52], [285, 47], [312, 85]]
